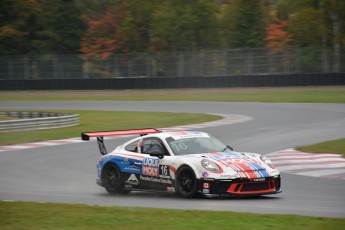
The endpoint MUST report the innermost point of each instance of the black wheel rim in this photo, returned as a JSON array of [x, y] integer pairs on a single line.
[[186, 181], [111, 177]]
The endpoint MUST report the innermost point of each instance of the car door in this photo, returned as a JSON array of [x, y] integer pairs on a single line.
[[156, 173]]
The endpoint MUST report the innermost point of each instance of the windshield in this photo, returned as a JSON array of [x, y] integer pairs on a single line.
[[195, 145]]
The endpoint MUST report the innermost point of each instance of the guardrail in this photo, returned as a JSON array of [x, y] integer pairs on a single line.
[[37, 121]]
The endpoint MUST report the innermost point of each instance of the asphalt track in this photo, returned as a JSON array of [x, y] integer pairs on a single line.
[[66, 173]]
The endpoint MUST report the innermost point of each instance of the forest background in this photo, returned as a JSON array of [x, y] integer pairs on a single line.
[[102, 28]]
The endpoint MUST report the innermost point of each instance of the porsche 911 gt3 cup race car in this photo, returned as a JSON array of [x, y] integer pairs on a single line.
[[185, 162]]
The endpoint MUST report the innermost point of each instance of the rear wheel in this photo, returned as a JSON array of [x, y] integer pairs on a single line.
[[186, 183], [112, 180]]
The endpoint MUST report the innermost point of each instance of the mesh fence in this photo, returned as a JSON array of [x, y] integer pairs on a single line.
[[234, 62]]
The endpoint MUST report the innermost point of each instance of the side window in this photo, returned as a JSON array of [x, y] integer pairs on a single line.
[[153, 143], [132, 147], [147, 144]]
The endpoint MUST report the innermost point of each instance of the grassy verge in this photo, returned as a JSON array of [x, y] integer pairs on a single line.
[[107, 120], [335, 146], [5, 118], [18, 215], [308, 96]]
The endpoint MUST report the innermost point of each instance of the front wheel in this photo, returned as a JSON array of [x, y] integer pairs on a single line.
[[186, 183], [112, 180]]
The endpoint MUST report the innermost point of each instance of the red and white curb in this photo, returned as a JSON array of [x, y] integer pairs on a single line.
[[308, 164], [228, 119], [40, 144]]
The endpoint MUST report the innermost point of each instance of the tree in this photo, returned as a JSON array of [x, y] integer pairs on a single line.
[[244, 23], [307, 27], [319, 24], [335, 10], [103, 36], [277, 36], [57, 29], [185, 25], [136, 26], [39, 26], [15, 24], [67, 24]]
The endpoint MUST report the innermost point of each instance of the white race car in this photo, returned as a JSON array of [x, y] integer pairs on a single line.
[[185, 162]]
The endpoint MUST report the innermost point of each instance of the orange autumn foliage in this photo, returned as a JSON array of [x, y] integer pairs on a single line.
[[102, 37], [277, 35]]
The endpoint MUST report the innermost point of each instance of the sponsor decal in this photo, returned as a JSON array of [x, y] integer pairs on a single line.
[[132, 169], [259, 179], [188, 134], [204, 174], [170, 189], [228, 176], [208, 179], [150, 167], [156, 180], [132, 180], [206, 191], [205, 185]]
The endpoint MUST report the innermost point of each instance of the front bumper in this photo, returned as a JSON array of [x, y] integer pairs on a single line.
[[240, 186]]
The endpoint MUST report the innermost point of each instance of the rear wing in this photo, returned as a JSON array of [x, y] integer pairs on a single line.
[[101, 134]]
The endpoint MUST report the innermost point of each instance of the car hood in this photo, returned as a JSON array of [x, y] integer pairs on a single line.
[[220, 155]]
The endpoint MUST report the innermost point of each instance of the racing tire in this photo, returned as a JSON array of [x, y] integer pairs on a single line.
[[186, 182], [113, 180]]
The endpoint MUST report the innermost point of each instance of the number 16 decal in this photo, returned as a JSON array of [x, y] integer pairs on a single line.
[[164, 170]]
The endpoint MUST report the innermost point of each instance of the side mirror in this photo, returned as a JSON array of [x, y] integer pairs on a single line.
[[229, 147], [156, 153]]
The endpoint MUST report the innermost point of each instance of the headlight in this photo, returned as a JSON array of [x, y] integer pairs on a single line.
[[210, 166], [266, 160]]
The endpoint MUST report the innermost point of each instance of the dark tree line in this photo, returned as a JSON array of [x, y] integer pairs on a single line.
[[100, 28]]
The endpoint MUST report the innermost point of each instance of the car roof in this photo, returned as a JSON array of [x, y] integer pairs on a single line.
[[179, 134]]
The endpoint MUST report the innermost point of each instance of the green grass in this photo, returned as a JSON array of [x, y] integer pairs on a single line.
[[5, 118], [335, 146], [107, 120], [25, 215], [322, 96]]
